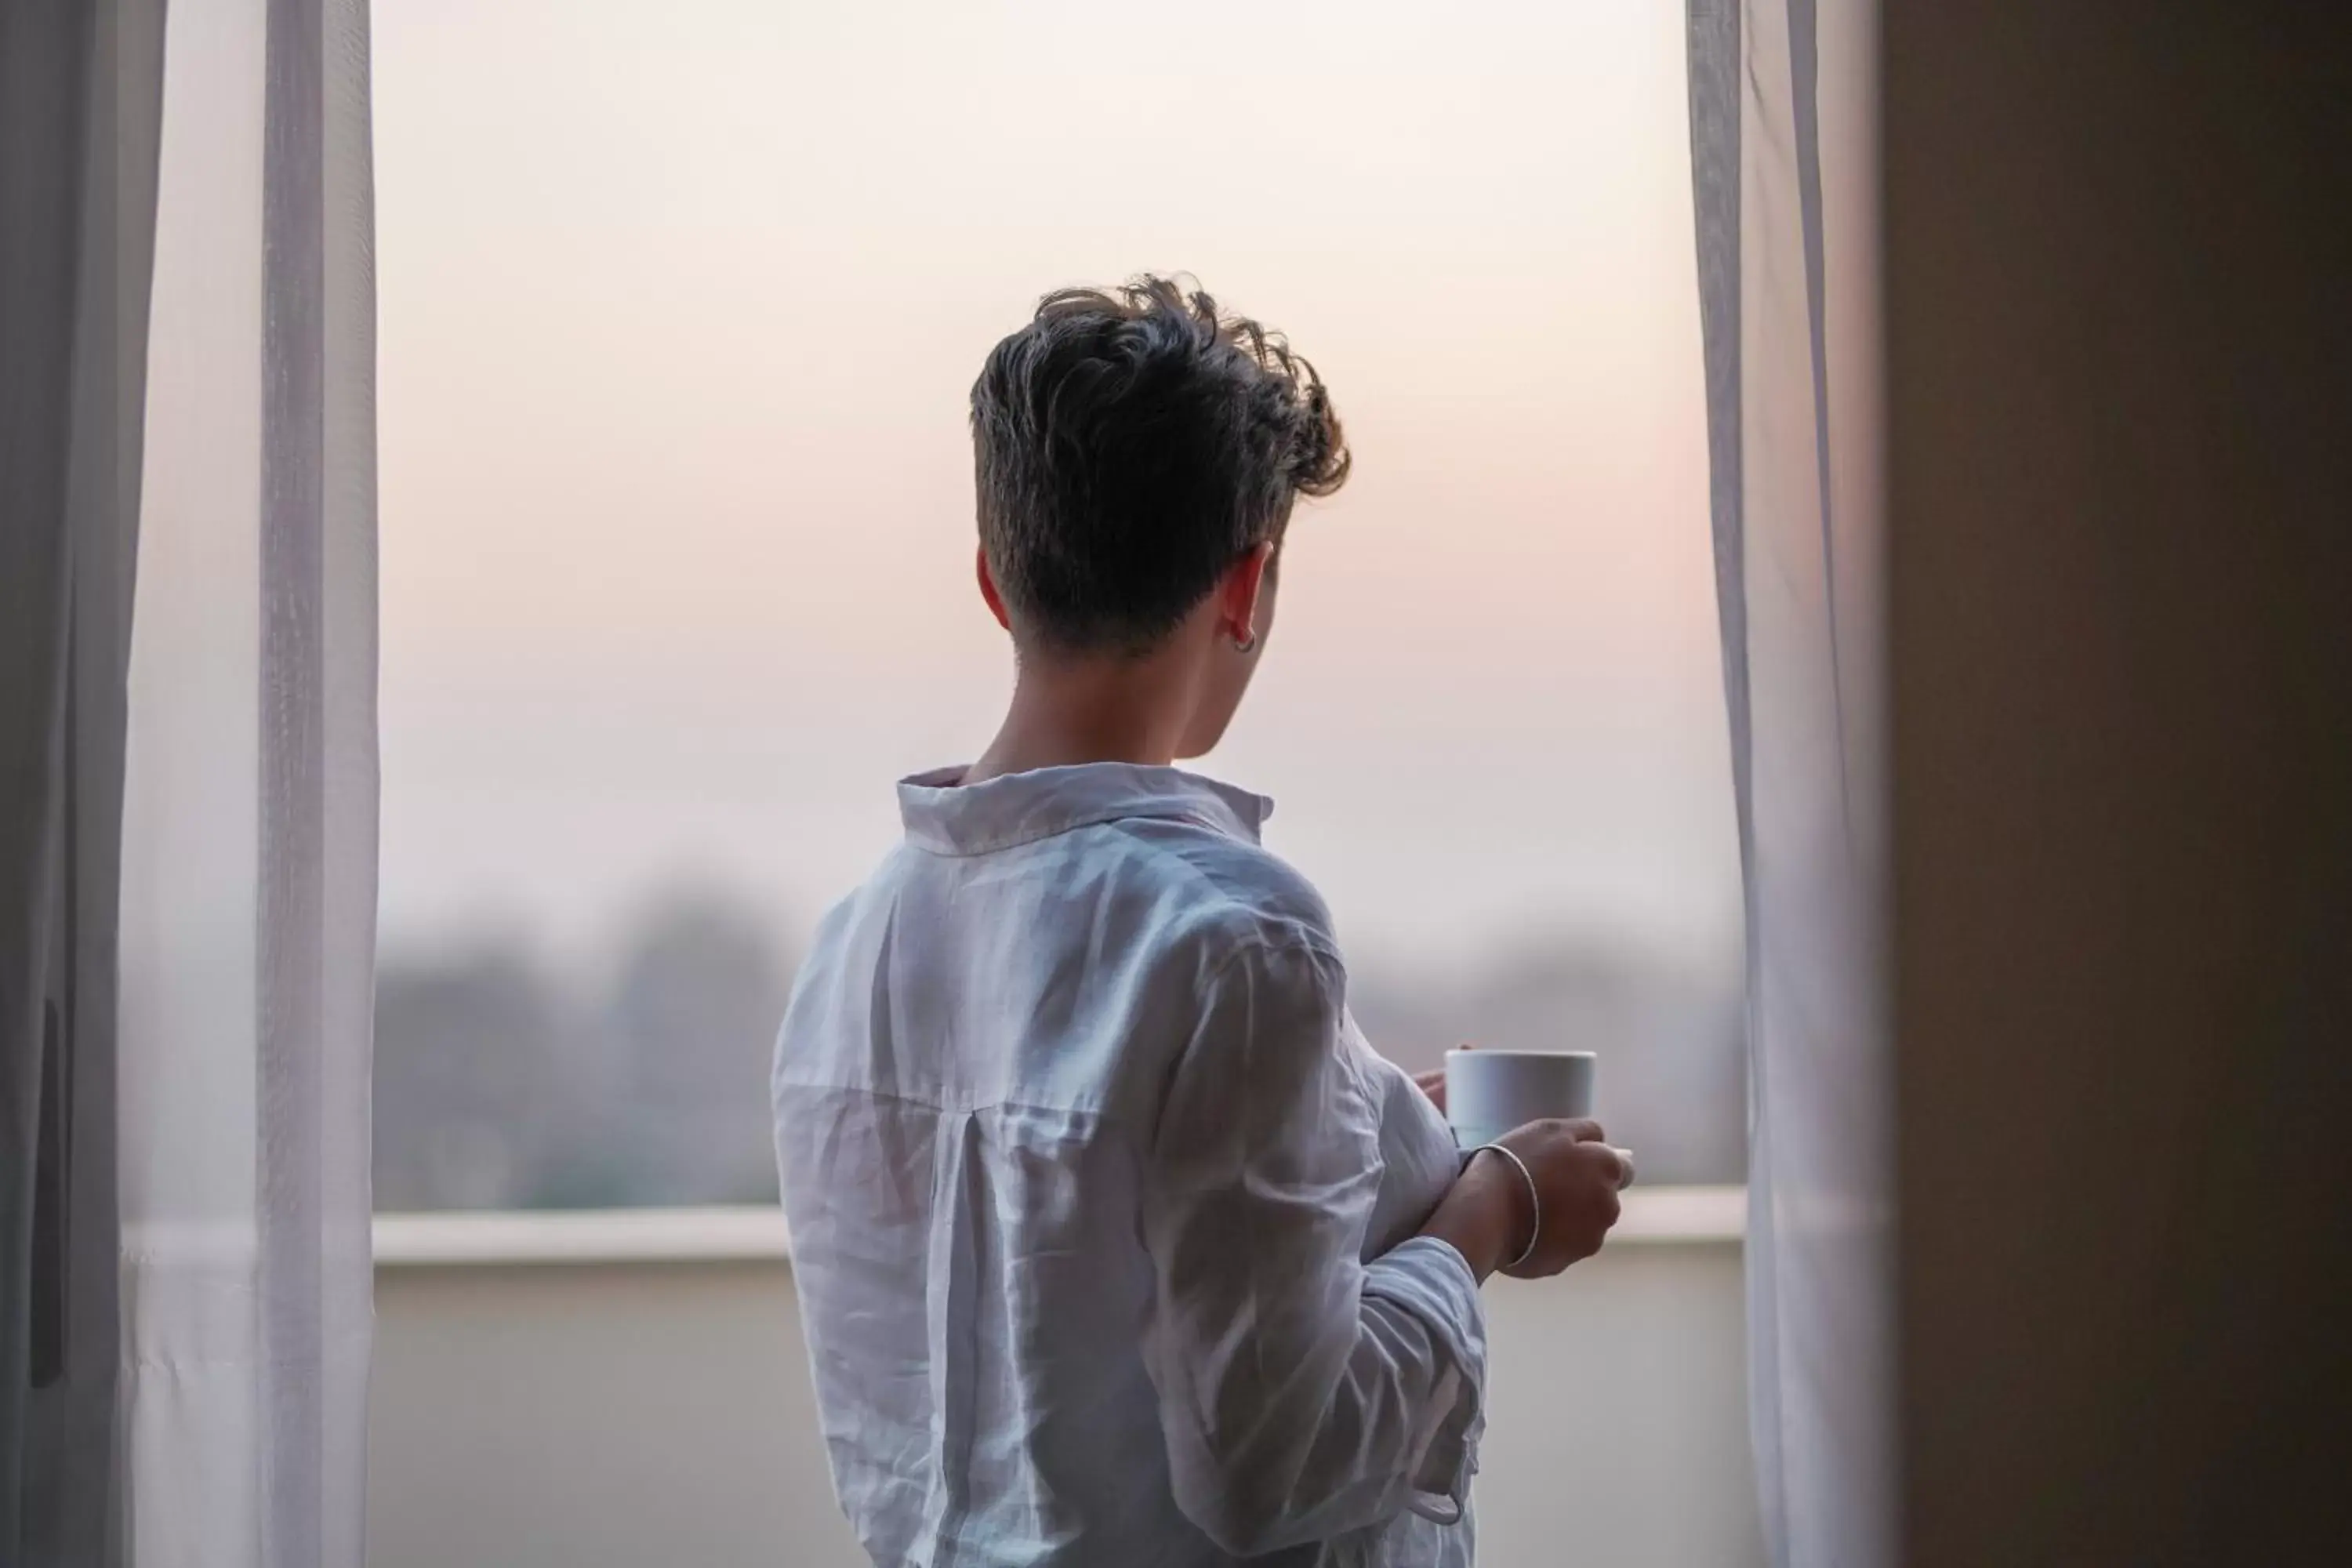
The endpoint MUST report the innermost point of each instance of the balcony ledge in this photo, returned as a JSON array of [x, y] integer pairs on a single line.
[[1670, 1216]]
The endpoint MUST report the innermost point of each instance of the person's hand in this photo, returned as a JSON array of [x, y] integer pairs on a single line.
[[1487, 1213], [1578, 1177]]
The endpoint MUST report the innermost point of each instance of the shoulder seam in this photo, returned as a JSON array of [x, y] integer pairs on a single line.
[[1306, 934]]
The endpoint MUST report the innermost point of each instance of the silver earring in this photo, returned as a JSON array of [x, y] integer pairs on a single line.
[[1245, 645]]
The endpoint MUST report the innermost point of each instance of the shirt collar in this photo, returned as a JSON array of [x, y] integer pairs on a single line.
[[947, 816]]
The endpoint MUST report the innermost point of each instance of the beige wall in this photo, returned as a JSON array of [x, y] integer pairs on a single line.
[[581, 1415], [2120, 514]]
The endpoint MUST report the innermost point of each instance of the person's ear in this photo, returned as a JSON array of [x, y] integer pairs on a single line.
[[1243, 584], [988, 591]]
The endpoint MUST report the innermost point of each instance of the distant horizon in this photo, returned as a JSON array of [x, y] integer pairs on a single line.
[[586, 953]]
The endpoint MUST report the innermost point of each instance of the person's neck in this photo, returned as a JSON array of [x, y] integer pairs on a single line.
[[1065, 712]]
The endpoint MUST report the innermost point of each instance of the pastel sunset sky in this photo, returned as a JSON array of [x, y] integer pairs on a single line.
[[679, 304]]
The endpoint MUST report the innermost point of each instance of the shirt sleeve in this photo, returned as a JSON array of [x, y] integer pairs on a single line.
[[1303, 1392]]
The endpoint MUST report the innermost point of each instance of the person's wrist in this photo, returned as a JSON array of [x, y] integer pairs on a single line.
[[1517, 1188], [1487, 1216], [1526, 1203]]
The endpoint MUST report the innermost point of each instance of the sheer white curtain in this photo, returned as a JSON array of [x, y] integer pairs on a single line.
[[249, 880], [186, 954], [1783, 151]]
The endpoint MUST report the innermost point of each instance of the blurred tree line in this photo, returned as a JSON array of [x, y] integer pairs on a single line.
[[501, 1082], [505, 1081]]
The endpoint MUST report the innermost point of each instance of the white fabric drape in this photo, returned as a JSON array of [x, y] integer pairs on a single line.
[[248, 839], [1784, 172]]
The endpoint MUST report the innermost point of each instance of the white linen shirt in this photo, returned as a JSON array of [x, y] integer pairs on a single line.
[[1103, 1212]]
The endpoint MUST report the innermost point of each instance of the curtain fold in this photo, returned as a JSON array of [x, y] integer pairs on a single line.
[[80, 92], [1783, 181], [250, 820]]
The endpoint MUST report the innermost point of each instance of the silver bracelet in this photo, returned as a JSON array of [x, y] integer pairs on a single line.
[[1535, 1202]]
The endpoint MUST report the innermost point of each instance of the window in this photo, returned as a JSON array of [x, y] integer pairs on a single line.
[[681, 305]]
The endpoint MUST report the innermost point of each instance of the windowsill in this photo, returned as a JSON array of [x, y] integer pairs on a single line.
[[1655, 1217]]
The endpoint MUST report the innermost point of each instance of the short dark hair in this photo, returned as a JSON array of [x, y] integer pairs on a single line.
[[1131, 444]]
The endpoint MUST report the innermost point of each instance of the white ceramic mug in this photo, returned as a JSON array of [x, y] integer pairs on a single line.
[[1487, 1093]]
